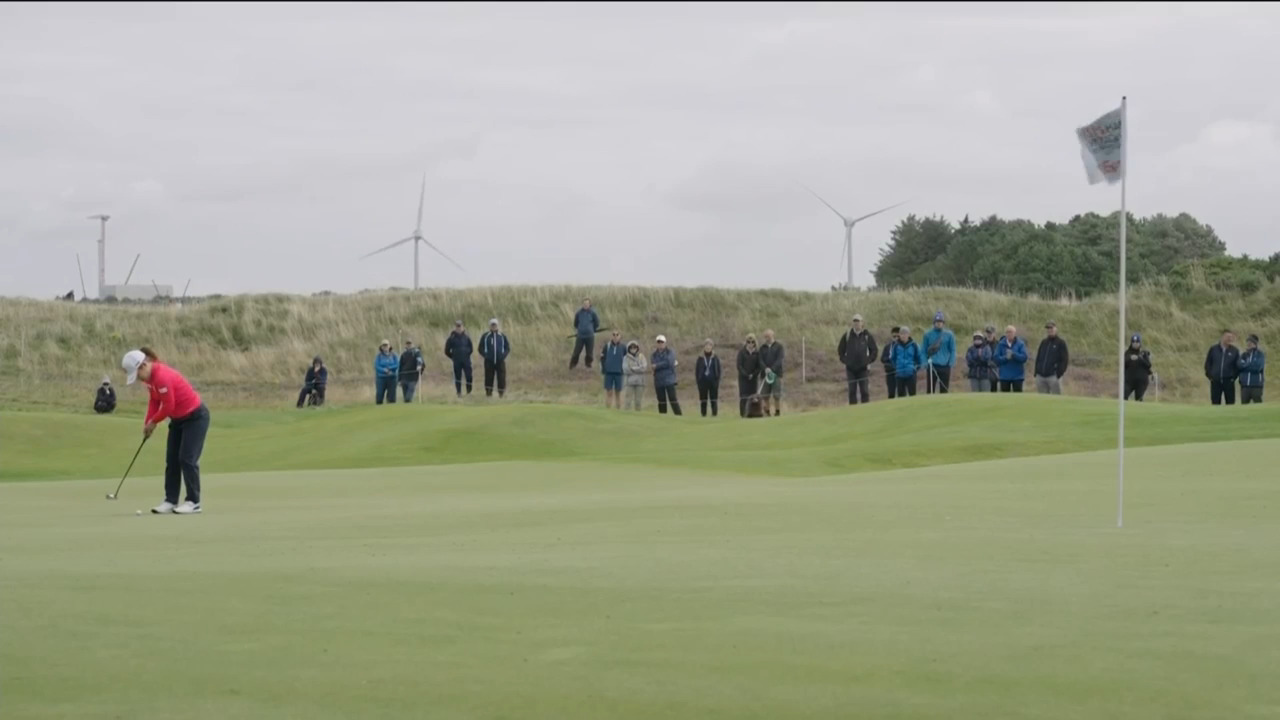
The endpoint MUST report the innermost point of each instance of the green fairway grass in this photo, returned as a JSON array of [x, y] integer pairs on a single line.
[[885, 435], [588, 590]]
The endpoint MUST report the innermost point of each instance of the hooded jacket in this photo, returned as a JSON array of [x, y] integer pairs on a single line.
[[1011, 360], [907, 358], [1137, 365], [857, 350], [105, 401], [611, 358], [586, 322], [458, 348], [634, 368], [1221, 364], [978, 360], [945, 342], [1252, 364], [386, 364], [316, 378], [663, 363], [494, 347]]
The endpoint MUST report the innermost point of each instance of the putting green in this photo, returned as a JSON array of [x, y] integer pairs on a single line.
[[573, 590]]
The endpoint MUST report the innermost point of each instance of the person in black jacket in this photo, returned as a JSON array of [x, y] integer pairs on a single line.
[[857, 350], [748, 373], [1137, 369], [1222, 366], [886, 361], [707, 371], [458, 348], [989, 332], [1051, 361], [105, 401], [411, 367], [494, 348], [772, 357], [314, 383]]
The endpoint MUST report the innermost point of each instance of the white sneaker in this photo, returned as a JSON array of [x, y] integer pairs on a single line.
[[163, 508], [187, 508]]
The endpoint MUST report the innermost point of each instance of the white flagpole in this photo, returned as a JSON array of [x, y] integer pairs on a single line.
[[1124, 222]]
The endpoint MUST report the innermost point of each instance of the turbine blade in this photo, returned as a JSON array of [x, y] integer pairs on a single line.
[[824, 202], [864, 217], [421, 199], [394, 244], [441, 252]]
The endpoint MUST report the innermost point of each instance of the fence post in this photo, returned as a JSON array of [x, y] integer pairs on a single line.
[[1157, 379], [804, 367]]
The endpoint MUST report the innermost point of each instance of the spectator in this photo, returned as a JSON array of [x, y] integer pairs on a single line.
[[664, 365], [1137, 369], [748, 373], [940, 354], [907, 360], [978, 361], [386, 368], [1051, 361], [411, 367], [585, 324], [1252, 365], [1222, 366], [634, 368], [104, 403], [314, 383], [857, 350], [772, 357], [886, 361], [458, 348], [991, 342], [611, 367], [707, 371], [494, 348], [1011, 360]]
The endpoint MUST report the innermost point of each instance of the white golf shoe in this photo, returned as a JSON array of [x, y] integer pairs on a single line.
[[187, 508], [163, 508]]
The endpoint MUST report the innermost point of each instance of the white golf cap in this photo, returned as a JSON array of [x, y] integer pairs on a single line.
[[132, 360], [857, 318], [493, 321], [660, 338]]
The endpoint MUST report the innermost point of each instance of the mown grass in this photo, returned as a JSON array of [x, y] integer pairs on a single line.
[[251, 351], [911, 433]]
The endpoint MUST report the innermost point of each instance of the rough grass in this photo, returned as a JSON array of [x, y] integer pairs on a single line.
[[887, 435], [252, 350]]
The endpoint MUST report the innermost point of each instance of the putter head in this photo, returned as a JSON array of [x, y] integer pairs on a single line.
[[111, 496]]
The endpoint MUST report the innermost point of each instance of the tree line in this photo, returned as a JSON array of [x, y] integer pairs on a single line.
[[1079, 257]]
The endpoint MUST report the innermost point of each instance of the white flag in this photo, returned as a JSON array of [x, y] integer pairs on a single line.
[[1101, 146]]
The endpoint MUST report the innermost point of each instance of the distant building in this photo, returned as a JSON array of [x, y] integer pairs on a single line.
[[135, 292]]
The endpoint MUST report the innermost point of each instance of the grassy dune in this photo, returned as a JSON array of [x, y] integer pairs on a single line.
[[914, 433], [249, 351]]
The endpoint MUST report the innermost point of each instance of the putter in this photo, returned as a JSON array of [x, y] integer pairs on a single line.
[[116, 494]]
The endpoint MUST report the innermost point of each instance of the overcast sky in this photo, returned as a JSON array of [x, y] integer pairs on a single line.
[[265, 147]]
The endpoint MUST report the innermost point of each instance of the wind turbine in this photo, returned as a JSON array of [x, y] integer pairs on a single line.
[[849, 222], [416, 238]]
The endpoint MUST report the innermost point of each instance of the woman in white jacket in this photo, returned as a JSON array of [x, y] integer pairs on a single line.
[[634, 367]]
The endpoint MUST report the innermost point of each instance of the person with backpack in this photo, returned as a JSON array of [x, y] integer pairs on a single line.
[[458, 348], [1252, 366], [586, 323], [634, 368], [1011, 360], [313, 383], [663, 363], [907, 361], [104, 403], [857, 350], [1222, 367], [707, 371], [494, 349], [611, 367], [886, 361], [940, 355], [386, 370], [978, 361], [748, 373], [1137, 369], [410, 370]]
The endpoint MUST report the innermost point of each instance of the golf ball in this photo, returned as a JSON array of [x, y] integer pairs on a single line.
[[137, 512]]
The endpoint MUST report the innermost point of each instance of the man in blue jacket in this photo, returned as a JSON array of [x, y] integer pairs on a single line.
[[494, 348], [611, 367], [1252, 365], [1011, 360], [585, 324], [940, 355], [386, 370], [907, 360], [1222, 366], [458, 348]]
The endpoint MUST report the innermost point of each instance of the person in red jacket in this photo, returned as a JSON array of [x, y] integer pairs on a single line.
[[172, 398]]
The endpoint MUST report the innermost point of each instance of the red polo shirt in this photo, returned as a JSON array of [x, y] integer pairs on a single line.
[[171, 395]]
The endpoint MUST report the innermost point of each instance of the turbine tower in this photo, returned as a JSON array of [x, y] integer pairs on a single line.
[[849, 222], [102, 252], [417, 238]]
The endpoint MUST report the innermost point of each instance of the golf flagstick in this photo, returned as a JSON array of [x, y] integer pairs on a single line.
[[116, 494]]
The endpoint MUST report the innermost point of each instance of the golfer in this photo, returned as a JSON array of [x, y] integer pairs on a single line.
[[172, 398]]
